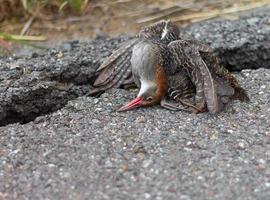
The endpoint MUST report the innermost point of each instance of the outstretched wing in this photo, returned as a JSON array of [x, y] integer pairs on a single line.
[[116, 68], [225, 75], [186, 55], [221, 72]]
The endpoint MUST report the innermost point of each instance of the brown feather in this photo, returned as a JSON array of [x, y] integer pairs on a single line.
[[222, 72], [117, 53], [210, 89], [109, 73]]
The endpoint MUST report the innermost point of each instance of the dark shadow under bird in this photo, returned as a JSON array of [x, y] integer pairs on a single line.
[[166, 68]]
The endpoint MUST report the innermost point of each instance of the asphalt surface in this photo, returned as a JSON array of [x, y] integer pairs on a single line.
[[43, 82], [86, 150], [70, 146], [240, 44]]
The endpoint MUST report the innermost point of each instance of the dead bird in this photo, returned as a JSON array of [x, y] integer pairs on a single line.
[[165, 67]]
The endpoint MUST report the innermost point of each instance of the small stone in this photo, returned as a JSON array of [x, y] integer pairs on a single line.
[[230, 131], [261, 161], [59, 55], [147, 196], [98, 109], [95, 121], [146, 163], [108, 163], [213, 136], [141, 155], [51, 165], [140, 119], [200, 178], [241, 145], [96, 100], [267, 184]]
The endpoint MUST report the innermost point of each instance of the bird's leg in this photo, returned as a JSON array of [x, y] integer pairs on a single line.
[[94, 92], [194, 108], [172, 106]]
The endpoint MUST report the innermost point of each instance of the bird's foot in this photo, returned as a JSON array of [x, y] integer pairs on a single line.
[[96, 92], [198, 108], [173, 106]]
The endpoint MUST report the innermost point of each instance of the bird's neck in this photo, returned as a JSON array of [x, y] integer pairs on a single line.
[[162, 84]]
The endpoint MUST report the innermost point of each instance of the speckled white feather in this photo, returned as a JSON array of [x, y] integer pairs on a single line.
[[165, 31]]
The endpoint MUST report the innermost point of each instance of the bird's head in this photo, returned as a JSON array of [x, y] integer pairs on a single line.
[[163, 31], [148, 96], [151, 93], [170, 32]]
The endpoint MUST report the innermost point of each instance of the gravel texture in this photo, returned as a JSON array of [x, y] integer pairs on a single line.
[[83, 149], [242, 43], [86, 150], [42, 83], [45, 82]]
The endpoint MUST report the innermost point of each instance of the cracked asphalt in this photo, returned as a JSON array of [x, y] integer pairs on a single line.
[[86, 150]]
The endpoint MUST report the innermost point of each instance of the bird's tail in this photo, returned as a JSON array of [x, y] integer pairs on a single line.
[[240, 94]]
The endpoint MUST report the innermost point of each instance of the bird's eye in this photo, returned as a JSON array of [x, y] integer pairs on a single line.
[[149, 98]]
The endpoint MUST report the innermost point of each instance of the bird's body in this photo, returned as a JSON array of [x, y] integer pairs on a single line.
[[148, 70], [164, 66], [144, 59]]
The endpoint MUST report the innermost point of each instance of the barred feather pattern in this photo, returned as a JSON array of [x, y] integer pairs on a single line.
[[209, 85], [115, 71], [215, 67], [186, 55], [118, 53], [180, 87], [109, 74], [224, 73], [183, 60]]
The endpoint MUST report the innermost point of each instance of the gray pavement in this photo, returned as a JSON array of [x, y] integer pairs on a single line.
[[70, 146], [86, 150]]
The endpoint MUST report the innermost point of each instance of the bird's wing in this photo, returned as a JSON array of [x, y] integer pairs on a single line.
[[199, 46], [216, 68], [186, 55], [225, 75], [116, 68]]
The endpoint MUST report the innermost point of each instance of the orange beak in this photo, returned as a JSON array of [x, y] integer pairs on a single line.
[[137, 102]]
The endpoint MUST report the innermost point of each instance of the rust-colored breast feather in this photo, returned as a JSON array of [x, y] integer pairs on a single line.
[[161, 80]]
